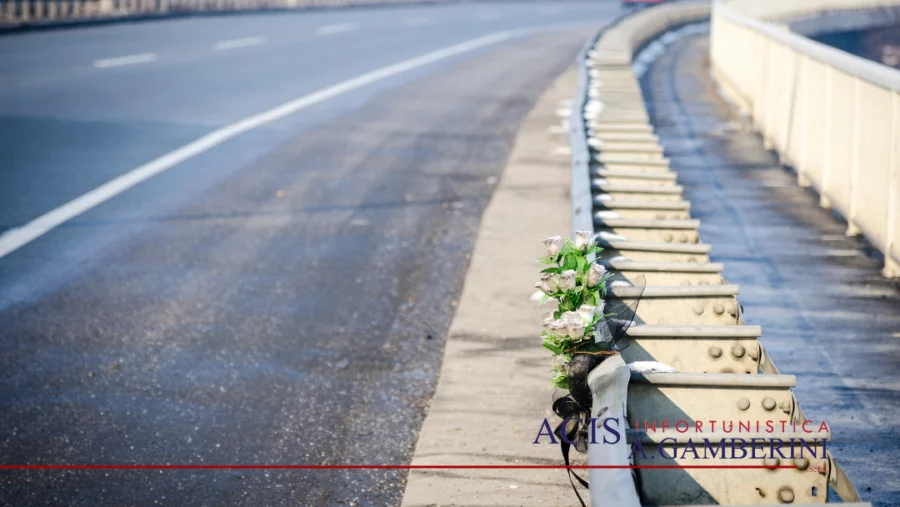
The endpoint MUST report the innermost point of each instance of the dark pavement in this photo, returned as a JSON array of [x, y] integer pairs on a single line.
[[828, 316], [280, 299]]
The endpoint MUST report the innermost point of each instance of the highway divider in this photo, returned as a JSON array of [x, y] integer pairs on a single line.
[[687, 317]]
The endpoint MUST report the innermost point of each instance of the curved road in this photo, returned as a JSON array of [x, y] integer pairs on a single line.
[[278, 295]]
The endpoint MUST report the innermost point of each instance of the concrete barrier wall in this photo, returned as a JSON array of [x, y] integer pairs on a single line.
[[789, 10], [833, 116], [14, 13], [618, 45]]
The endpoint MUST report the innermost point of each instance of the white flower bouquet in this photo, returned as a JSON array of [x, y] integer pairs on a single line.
[[578, 285]]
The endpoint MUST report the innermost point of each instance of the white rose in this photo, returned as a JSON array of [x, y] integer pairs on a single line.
[[595, 274], [553, 244], [548, 283], [548, 319], [567, 280], [599, 309], [574, 325], [586, 312], [558, 328], [584, 240]]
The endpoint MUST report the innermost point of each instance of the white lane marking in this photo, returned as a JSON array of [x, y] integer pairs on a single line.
[[125, 60], [17, 237], [418, 21], [338, 28], [239, 43]]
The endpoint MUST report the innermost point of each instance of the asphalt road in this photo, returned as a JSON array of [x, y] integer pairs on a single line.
[[281, 298], [827, 314]]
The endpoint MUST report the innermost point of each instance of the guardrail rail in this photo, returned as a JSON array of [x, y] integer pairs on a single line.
[[689, 316], [16, 13]]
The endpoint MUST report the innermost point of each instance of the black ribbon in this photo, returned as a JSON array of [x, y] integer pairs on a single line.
[[571, 411]]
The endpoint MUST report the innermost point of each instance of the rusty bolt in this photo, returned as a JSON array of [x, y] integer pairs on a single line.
[[698, 309], [738, 351], [768, 403], [743, 403], [715, 352], [719, 308], [802, 463], [786, 495]]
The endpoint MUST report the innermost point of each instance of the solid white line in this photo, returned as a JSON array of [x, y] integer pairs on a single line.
[[239, 43], [125, 60], [338, 28], [17, 237]]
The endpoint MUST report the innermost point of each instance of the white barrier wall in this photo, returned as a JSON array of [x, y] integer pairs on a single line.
[[833, 116]]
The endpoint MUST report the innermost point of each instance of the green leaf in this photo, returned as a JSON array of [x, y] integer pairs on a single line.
[[556, 349], [551, 270], [580, 264]]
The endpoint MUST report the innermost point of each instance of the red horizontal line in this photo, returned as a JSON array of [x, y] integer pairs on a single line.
[[375, 467]]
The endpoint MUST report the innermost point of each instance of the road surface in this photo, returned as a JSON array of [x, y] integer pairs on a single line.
[[278, 295]]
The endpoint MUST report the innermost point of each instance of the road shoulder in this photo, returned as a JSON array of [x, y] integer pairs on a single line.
[[494, 391]]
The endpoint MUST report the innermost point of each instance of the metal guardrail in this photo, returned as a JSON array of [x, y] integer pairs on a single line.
[[831, 115], [15, 13], [689, 317]]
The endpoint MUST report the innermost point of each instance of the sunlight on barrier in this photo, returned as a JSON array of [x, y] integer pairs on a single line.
[[831, 115]]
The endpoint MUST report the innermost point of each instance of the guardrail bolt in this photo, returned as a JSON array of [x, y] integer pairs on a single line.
[[786, 406], [802, 463], [698, 309], [738, 351], [771, 462], [768, 403], [683, 238], [669, 238], [685, 282], [744, 404], [786, 495], [754, 353], [716, 352], [719, 308]]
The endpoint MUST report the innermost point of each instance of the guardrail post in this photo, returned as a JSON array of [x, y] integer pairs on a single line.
[[609, 390]]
